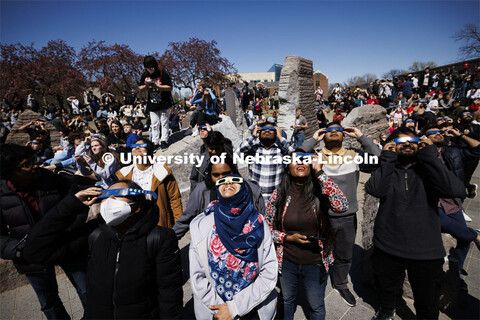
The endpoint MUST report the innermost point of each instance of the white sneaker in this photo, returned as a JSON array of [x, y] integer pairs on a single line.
[[195, 133], [467, 218]]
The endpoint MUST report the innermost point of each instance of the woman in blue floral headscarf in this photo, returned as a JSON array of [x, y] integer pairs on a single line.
[[233, 268]]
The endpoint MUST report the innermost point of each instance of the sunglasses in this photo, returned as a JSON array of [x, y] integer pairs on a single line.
[[34, 142], [410, 121], [138, 145], [330, 129], [442, 119], [406, 139], [268, 128], [229, 180], [122, 192], [467, 114], [95, 136], [430, 132]]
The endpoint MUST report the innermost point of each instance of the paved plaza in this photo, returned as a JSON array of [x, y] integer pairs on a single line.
[[21, 303]]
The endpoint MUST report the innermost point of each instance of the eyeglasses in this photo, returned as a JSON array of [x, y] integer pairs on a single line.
[[430, 132], [138, 145], [330, 129], [406, 139], [229, 180], [268, 128], [122, 192]]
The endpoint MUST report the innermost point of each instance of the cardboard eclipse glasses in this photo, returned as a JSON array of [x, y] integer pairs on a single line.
[[122, 192]]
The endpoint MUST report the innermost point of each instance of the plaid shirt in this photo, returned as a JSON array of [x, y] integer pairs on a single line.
[[267, 175]]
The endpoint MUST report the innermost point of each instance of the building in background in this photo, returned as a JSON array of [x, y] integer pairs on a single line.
[[271, 78], [320, 79]]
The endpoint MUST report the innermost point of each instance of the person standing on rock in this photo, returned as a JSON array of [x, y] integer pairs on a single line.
[[346, 175], [246, 96], [410, 181], [158, 84]]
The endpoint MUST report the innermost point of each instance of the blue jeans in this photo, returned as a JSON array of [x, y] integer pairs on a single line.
[[455, 225], [299, 138], [46, 287], [308, 276]]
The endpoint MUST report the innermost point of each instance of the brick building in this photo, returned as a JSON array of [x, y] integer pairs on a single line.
[[320, 79]]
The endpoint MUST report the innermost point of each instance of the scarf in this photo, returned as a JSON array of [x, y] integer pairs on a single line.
[[232, 254], [238, 224]]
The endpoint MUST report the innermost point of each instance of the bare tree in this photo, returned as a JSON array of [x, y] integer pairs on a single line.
[[393, 73], [361, 81], [420, 66], [470, 37]]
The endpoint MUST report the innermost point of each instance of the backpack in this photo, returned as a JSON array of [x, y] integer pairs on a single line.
[[152, 239]]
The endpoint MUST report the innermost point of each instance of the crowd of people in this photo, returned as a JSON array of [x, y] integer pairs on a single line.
[[409, 91], [114, 227]]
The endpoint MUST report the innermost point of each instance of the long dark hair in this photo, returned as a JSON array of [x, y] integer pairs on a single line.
[[312, 193]]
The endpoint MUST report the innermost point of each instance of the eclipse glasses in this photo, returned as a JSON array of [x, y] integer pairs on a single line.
[[406, 139], [229, 180], [122, 192]]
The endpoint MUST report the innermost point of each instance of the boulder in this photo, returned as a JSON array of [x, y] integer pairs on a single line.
[[295, 89], [370, 119], [232, 104], [21, 138]]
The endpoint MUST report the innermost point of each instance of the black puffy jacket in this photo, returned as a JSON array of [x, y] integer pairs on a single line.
[[124, 280], [18, 218]]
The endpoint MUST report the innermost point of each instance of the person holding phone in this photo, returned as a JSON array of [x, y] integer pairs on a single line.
[[297, 214], [159, 86]]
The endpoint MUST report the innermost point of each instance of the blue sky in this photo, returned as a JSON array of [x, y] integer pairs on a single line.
[[342, 38]]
